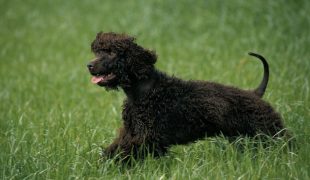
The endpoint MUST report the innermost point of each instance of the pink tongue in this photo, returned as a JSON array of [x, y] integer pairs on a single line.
[[96, 79]]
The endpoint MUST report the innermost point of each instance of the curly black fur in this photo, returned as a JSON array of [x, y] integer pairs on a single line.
[[161, 110]]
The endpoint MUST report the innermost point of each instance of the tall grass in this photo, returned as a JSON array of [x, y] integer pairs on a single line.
[[53, 120]]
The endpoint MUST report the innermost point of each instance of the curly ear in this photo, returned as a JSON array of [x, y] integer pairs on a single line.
[[141, 55], [141, 61], [147, 56]]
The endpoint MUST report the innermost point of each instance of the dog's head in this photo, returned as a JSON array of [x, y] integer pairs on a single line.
[[119, 61]]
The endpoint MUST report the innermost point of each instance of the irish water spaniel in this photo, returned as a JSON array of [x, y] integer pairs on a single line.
[[162, 110]]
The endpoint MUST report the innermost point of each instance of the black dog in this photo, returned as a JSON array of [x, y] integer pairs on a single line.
[[161, 110]]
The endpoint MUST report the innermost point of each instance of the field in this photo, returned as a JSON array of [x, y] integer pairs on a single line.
[[53, 121]]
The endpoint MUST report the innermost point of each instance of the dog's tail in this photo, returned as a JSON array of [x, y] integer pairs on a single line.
[[260, 90]]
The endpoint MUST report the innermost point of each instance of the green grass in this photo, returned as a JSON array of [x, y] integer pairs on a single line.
[[53, 120]]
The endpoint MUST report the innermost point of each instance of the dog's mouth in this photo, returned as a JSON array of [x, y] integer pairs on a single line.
[[102, 79]]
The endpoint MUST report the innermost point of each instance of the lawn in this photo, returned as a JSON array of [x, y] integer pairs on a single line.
[[53, 121]]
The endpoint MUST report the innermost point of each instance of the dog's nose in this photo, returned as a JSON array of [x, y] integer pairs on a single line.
[[90, 66]]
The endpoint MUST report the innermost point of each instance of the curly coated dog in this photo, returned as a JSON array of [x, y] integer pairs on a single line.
[[162, 110]]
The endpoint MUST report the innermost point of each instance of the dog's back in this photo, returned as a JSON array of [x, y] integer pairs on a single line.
[[236, 112]]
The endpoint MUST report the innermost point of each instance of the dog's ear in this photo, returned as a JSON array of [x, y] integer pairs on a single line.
[[141, 61], [147, 56], [142, 56]]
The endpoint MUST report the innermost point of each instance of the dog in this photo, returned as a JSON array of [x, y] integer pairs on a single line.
[[161, 110]]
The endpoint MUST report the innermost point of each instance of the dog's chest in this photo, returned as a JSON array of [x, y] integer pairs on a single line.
[[145, 114]]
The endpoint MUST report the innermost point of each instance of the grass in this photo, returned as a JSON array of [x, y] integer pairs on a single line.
[[53, 120]]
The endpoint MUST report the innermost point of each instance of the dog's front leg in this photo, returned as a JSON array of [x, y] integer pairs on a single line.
[[139, 147], [125, 145], [114, 148]]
